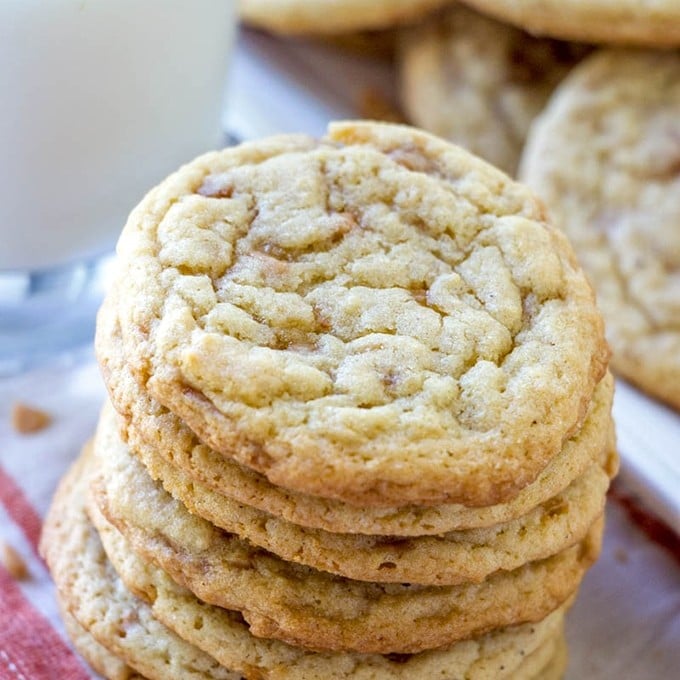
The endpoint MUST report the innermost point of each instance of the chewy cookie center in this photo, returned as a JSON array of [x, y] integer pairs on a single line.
[[358, 277]]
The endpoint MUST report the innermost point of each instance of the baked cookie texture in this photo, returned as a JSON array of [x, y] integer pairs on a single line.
[[312, 608], [521, 650], [625, 22], [447, 559], [108, 614], [360, 424], [358, 317], [184, 630], [478, 82], [605, 157], [97, 656], [154, 432], [312, 17], [376, 44]]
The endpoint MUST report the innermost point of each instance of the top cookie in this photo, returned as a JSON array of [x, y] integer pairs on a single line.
[[378, 316], [332, 16], [478, 82], [605, 156], [630, 22]]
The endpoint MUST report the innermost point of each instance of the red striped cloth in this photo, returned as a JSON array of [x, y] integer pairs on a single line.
[[33, 643], [30, 647], [19, 508]]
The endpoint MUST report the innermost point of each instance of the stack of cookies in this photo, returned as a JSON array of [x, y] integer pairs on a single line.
[[359, 423]]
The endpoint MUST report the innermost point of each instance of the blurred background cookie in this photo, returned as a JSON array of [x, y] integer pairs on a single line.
[[605, 157], [478, 82], [630, 22], [296, 17]]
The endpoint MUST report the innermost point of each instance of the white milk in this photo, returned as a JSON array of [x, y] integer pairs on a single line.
[[99, 100]]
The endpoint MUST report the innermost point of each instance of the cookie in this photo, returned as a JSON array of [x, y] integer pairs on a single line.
[[605, 156], [359, 317], [478, 82], [332, 16], [627, 22], [512, 652], [304, 606], [448, 559], [557, 665], [87, 582], [151, 428], [96, 655], [88, 587]]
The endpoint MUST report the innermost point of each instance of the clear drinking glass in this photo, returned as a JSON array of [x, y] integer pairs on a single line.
[[100, 100]]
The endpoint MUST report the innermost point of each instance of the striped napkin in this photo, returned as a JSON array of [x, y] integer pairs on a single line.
[[33, 643]]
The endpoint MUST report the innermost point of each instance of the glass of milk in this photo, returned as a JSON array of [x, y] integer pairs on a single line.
[[100, 100]]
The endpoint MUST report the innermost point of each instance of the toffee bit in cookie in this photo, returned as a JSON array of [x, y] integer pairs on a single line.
[[27, 419], [13, 562]]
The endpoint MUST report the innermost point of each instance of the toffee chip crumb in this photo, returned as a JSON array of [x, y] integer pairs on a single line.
[[13, 562], [27, 419]]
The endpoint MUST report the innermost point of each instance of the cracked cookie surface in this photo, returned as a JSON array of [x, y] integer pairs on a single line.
[[153, 430], [478, 82], [626, 22], [605, 157], [106, 663], [377, 316]]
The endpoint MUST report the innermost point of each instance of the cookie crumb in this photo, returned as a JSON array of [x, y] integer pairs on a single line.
[[27, 419], [13, 562]]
